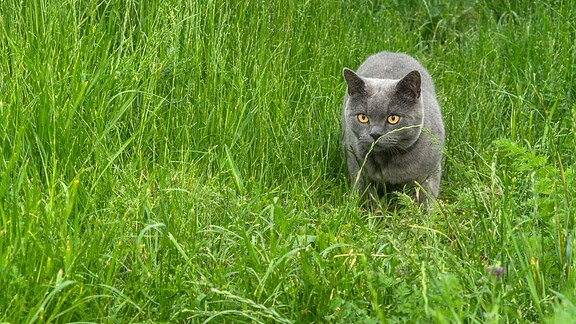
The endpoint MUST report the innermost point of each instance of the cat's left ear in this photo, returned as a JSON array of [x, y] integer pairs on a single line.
[[409, 87], [355, 83]]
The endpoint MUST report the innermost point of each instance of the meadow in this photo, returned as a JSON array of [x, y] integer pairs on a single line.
[[179, 161]]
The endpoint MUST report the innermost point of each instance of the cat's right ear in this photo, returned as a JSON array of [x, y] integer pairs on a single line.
[[409, 86], [355, 83]]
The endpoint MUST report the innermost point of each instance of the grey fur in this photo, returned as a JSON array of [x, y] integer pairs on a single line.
[[382, 155]]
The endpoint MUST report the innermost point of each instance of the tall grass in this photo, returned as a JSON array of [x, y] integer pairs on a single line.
[[180, 161]]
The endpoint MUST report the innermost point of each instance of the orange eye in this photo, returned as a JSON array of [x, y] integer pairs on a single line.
[[362, 118], [393, 119]]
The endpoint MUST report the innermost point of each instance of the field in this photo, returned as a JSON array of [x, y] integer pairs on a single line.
[[179, 161]]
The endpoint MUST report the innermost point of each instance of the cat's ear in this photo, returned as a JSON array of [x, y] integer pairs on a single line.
[[355, 83], [409, 87]]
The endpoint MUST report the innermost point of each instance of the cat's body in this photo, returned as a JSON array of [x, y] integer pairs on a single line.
[[391, 100]]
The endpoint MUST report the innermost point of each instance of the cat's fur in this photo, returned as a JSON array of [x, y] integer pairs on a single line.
[[405, 153]]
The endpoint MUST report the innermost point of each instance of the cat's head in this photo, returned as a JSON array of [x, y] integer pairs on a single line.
[[386, 111]]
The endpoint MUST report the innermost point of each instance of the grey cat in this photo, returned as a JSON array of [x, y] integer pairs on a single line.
[[392, 127]]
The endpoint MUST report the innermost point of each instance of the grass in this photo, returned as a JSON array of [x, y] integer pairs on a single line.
[[179, 161]]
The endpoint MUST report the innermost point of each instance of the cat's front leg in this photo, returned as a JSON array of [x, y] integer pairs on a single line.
[[355, 178]]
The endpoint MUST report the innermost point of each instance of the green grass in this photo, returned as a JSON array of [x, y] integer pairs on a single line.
[[174, 161]]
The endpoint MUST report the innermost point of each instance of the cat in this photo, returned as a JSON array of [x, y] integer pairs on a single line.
[[392, 129]]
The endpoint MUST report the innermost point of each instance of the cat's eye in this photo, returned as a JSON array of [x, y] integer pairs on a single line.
[[393, 119], [362, 118]]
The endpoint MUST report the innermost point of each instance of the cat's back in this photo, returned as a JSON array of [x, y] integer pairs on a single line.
[[389, 65]]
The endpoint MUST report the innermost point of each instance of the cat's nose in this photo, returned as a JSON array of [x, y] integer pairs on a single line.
[[375, 136]]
